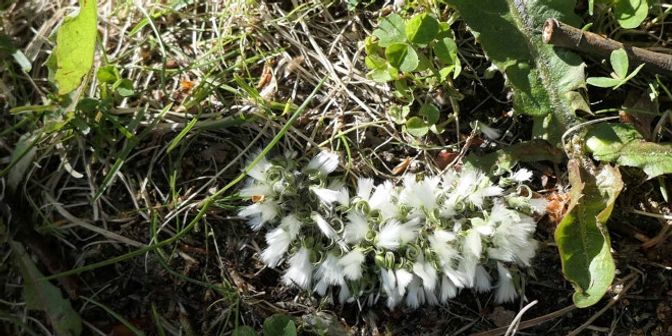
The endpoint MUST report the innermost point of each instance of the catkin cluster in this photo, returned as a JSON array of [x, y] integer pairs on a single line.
[[418, 242]]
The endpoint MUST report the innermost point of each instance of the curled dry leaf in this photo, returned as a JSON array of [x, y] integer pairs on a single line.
[[444, 158], [402, 166]]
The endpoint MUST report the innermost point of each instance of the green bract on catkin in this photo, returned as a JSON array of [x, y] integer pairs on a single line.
[[418, 242]]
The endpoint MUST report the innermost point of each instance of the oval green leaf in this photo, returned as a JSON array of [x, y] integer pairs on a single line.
[[75, 45], [430, 112], [619, 62], [279, 325], [631, 13], [422, 28], [582, 237], [244, 331], [402, 56], [603, 82], [622, 144], [390, 30], [415, 126]]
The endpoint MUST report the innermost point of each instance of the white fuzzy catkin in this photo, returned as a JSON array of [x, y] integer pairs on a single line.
[[417, 243]]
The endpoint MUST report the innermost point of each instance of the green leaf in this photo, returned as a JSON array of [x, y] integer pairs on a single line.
[[375, 62], [446, 51], [21, 160], [631, 13], [23, 61], [398, 113], [371, 45], [390, 30], [582, 237], [622, 144], [42, 295], [402, 56], [445, 31], [542, 77], [108, 74], [444, 73], [124, 87], [383, 75], [634, 72], [402, 91], [244, 331], [505, 159], [279, 325], [88, 106], [604, 82], [424, 63], [619, 62], [75, 45], [422, 28], [415, 126], [430, 112]]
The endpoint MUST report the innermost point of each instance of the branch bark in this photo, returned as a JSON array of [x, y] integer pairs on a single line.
[[566, 36]]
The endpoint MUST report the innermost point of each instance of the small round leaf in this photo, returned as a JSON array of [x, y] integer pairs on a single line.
[[422, 28], [416, 126], [430, 112], [402, 56]]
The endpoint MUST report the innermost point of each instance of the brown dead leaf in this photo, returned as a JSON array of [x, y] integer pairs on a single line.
[[266, 74], [402, 166], [444, 158], [557, 206]]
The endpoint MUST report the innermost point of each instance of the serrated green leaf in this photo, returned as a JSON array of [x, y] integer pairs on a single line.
[[75, 45], [631, 13], [415, 126], [619, 62], [402, 56], [541, 76], [422, 28], [391, 29], [430, 112], [622, 144], [42, 295], [279, 325], [604, 82], [582, 237]]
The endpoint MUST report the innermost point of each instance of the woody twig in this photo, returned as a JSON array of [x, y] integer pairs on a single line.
[[566, 36]]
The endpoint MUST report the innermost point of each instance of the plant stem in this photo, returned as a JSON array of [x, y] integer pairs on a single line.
[[566, 36]]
